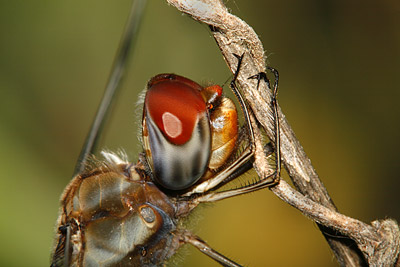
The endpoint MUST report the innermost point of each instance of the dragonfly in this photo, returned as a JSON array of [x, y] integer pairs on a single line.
[[118, 213]]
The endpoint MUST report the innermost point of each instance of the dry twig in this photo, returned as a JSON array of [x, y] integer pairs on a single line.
[[378, 244]]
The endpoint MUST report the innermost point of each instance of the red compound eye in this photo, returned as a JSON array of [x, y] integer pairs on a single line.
[[175, 105], [176, 131]]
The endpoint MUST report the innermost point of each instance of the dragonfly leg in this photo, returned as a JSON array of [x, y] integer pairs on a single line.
[[246, 155], [264, 182], [189, 238]]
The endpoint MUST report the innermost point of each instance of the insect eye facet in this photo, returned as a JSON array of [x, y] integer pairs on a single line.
[[176, 131]]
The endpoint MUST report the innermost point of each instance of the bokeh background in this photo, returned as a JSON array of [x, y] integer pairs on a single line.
[[340, 66]]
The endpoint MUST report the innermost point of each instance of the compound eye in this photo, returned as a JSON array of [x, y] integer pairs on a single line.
[[176, 131], [175, 104]]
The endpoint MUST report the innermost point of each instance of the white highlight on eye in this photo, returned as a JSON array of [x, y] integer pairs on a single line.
[[172, 124]]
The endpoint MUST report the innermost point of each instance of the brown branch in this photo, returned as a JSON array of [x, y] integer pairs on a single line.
[[378, 243]]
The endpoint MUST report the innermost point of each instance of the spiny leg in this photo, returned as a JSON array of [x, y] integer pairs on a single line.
[[276, 124], [189, 238], [263, 76], [243, 158], [264, 181]]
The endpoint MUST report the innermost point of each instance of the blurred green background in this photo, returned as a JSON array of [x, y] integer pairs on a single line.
[[339, 63]]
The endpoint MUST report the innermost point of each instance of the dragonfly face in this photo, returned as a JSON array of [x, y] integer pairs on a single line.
[[119, 213], [187, 130]]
